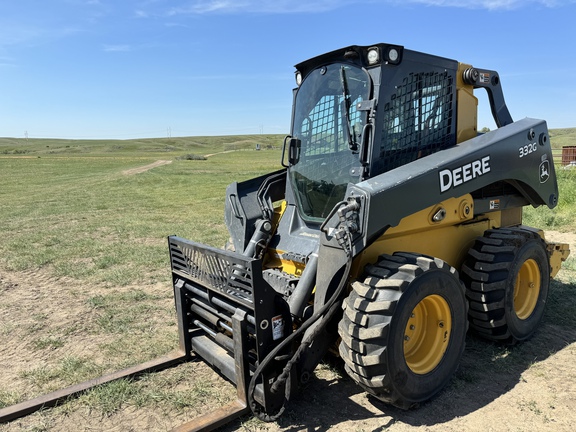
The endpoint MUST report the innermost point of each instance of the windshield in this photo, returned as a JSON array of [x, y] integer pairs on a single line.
[[329, 125]]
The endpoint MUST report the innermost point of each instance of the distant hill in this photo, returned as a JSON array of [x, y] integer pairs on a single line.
[[563, 137], [179, 145], [175, 145]]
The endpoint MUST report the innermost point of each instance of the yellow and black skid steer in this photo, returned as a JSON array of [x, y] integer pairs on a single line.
[[392, 228]]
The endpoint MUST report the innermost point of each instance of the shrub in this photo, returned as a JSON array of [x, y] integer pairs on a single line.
[[192, 157]]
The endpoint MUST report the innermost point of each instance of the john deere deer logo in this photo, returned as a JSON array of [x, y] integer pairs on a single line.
[[544, 171]]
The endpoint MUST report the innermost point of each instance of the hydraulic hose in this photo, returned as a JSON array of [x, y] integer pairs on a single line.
[[329, 308]]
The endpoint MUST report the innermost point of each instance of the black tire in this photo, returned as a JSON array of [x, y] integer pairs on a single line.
[[507, 277], [384, 347]]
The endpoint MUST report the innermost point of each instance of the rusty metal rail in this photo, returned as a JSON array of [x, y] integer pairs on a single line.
[[215, 419], [51, 399], [205, 423]]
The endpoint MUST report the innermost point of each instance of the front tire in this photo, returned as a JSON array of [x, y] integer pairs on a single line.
[[507, 276], [403, 330]]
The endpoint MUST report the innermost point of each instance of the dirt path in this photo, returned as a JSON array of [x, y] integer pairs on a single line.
[[145, 168], [529, 387], [140, 170], [222, 152]]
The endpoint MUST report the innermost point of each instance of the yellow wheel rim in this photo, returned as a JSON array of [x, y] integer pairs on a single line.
[[427, 334], [527, 289]]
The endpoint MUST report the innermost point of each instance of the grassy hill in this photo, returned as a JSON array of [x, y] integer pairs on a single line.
[[177, 146], [165, 147], [563, 137]]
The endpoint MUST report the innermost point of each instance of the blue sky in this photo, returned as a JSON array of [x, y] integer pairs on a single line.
[[153, 68]]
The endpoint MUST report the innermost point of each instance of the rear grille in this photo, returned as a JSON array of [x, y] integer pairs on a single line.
[[209, 267], [418, 120]]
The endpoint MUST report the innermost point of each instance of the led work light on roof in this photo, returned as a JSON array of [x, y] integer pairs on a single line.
[[373, 56], [298, 78], [393, 56]]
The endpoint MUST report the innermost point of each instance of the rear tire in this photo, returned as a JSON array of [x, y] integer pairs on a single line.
[[403, 330], [507, 276]]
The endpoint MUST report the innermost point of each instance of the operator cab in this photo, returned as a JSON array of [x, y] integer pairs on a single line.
[[362, 111]]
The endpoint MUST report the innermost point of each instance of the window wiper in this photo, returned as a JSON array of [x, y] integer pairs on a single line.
[[352, 144]]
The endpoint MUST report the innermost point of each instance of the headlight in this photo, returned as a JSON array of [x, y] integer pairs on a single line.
[[298, 78], [373, 56], [393, 56]]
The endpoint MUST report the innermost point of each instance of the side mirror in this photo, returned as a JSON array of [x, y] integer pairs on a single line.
[[294, 151], [294, 145]]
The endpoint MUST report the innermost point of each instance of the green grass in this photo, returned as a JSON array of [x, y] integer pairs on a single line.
[[81, 217], [68, 371], [172, 389], [8, 398], [68, 209], [48, 342]]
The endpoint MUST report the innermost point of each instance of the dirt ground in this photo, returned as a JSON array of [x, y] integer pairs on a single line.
[[530, 387]]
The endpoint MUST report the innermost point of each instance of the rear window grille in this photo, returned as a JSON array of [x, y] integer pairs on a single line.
[[417, 120]]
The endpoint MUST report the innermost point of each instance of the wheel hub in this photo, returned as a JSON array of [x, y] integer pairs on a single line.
[[427, 334], [527, 289]]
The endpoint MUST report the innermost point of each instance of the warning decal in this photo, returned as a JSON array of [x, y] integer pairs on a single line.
[[277, 327]]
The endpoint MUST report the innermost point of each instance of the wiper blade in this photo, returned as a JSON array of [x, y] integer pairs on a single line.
[[352, 144]]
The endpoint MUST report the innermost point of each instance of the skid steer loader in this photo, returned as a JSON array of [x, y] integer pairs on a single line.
[[392, 228]]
